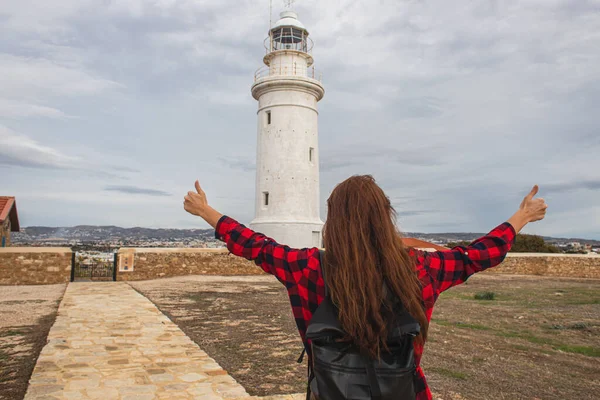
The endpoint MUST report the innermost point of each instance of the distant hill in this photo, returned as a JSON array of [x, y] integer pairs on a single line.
[[88, 233], [104, 233], [460, 236]]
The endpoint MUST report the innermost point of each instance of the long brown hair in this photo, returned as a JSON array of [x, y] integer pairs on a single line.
[[362, 248]]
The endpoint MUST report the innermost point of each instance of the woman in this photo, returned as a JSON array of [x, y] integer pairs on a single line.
[[364, 249]]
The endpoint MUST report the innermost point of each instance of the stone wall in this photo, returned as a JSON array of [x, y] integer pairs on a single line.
[[35, 265], [565, 265], [162, 263]]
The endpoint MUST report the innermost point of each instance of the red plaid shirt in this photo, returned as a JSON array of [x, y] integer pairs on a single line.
[[300, 271]]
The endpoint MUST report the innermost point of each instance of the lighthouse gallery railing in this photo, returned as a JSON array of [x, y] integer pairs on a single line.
[[289, 69]]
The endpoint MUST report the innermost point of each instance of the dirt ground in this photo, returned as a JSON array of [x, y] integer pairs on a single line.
[[244, 323], [538, 339], [26, 315]]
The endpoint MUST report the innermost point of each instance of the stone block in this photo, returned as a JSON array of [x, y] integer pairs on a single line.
[[34, 265]]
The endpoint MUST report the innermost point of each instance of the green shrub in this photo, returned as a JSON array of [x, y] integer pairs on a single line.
[[578, 326], [485, 296], [532, 244]]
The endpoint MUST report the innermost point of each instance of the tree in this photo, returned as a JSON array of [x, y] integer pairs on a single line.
[[532, 244], [463, 243], [523, 244]]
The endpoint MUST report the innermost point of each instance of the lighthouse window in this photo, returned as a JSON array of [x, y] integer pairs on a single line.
[[266, 198], [311, 153], [268, 117]]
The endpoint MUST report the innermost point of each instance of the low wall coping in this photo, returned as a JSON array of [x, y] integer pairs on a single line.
[[35, 250], [224, 250], [557, 255], [170, 250]]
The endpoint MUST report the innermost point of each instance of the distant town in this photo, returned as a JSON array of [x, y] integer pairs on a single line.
[[108, 239], [96, 245]]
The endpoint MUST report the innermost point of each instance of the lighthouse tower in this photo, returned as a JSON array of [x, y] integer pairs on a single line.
[[287, 168]]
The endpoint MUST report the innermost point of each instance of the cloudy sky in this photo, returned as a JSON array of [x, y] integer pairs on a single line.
[[110, 109]]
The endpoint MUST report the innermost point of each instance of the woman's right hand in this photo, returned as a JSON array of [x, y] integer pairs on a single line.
[[195, 202]]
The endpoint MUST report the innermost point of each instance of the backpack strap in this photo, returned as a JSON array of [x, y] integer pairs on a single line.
[[372, 377], [311, 374]]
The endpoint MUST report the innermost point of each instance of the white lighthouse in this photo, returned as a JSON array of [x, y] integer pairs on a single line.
[[287, 167]]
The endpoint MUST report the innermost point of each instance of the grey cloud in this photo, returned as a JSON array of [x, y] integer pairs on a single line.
[[33, 78], [45, 163], [329, 164], [593, 185], [414, 213], [413, 155], [386, 98], [181, 46], [236, 198], [12, 109], [420, 156], [17, 150], [423, 107], [580, 8], [136, 190], [9, 161], [122, 168], [243, 164], [20, 150]]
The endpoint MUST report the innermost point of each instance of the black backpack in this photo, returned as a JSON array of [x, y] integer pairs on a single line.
[[341, 371]]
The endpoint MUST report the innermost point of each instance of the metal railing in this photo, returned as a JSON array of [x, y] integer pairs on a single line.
[[97, 270], [287, 69], [305, 45]]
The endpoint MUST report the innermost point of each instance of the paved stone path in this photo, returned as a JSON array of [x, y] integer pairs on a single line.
[[110, 342]]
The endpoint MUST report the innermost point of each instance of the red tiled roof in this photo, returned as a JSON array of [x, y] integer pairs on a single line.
[[421, 244], [8, 209], [5, 207]]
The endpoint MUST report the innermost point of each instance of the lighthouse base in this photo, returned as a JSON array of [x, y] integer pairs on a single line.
[[294, 234]]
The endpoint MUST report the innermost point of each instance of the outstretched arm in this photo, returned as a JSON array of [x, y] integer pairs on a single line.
[[450, 268], [287, 264]]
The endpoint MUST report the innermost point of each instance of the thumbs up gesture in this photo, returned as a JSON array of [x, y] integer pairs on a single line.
[[533, 209], [195, 202]]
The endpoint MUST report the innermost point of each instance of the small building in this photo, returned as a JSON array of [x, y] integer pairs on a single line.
[[9, 220]]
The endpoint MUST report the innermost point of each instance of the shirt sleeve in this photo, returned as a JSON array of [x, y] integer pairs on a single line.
[[449, 268], [286, 264]]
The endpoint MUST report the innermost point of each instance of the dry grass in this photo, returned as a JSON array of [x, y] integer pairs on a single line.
[[26, 315], [539, 338]]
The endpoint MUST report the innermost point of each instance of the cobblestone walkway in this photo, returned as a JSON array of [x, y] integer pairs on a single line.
[[110, 342]]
